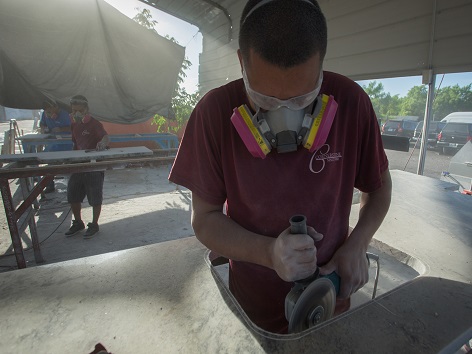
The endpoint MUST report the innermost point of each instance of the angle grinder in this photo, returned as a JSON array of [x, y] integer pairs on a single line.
[[312, 300]]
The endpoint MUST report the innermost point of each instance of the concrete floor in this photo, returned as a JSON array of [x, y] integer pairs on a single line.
[[140, 207]]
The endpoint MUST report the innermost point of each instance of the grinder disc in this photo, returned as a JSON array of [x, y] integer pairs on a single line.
[[314, 305]]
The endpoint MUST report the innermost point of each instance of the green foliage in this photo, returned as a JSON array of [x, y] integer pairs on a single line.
[[182, 104], [182, 101], [385, 105], [414, 104], [144, 18], [453, 99], [447, 100]]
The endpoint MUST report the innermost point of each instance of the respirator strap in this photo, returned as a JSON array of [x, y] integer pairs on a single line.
[[323, 116], [255, 142]]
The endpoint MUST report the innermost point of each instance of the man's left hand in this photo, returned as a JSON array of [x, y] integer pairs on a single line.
[[101, 146], [350, 263]]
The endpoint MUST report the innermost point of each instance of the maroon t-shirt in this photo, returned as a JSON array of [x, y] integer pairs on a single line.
[[262, 194], [86, 135]]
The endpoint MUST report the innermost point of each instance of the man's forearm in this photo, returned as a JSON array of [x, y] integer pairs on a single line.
[[373, 208], [225, 237], [106, 140]]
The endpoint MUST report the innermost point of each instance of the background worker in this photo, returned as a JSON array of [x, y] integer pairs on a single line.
[[87, 133], [54, 120], [281, 58]]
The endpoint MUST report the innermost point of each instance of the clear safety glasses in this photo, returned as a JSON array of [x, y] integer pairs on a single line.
[[270, 103], [78, 101]]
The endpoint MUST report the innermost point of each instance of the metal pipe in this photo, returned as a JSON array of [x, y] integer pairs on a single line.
[[427, 118], [431, 80]]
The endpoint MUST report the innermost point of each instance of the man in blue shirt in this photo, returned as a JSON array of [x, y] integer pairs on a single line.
[[54, 120]]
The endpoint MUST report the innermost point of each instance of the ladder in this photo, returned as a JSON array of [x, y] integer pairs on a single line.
[[10, 138]]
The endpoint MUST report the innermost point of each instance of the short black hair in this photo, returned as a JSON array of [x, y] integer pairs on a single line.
[[49, 103], [283, 32], [79, 100]]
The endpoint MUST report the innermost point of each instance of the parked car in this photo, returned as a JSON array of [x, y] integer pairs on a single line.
[[434, 129], [454, 136], [399, 127]]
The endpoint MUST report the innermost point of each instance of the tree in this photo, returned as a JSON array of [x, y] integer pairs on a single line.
[[385, 105], [182, 101], [376, 93], [447, 100], [182, 104], [414, 104], [144, 18], [452, 99]]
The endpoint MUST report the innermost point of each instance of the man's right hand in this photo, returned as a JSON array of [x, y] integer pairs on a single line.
[[294, 255]]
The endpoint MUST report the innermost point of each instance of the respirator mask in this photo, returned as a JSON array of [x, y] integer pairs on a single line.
[[80, 117], [284, 124]]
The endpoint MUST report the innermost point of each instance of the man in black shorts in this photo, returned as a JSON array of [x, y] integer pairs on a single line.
[[87, 133]]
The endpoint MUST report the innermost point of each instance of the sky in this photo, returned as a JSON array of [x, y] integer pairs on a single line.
[[189, 36]]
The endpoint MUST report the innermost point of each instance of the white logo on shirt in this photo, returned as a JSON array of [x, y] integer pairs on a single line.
[[85, 132], [321, 157]]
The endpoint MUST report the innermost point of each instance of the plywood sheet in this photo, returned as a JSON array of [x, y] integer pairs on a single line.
[[72, 156]]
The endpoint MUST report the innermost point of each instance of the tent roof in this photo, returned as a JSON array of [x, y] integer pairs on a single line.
[[366, 38], [57, 49]]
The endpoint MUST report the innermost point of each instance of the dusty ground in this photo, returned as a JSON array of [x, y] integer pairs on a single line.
[[140, 207]]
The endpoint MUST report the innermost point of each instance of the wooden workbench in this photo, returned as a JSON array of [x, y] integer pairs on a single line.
[[48, 165]]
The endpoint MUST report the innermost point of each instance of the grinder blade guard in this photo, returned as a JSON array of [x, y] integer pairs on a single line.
[[308, 306], [311, 300]]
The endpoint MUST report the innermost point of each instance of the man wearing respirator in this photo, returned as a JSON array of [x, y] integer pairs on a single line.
[[288, 138], [87, 134]]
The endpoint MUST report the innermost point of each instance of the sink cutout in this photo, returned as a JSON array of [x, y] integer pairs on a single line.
[[396, 268]]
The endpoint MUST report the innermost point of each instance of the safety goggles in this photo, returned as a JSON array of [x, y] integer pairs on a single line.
[[77, 101], [270, 103]]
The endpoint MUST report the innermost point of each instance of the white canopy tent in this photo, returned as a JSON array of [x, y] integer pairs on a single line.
[[60, 48]]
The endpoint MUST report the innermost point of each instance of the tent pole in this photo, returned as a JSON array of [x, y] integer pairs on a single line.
[[430, 77]]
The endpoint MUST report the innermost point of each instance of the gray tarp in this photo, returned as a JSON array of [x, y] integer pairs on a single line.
[[60, 48]]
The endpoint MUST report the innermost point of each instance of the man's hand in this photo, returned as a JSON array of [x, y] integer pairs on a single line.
[[101, 145], [350, 263], [294, 255]]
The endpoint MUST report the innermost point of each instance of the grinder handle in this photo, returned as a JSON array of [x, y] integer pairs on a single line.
[[298, 226]]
